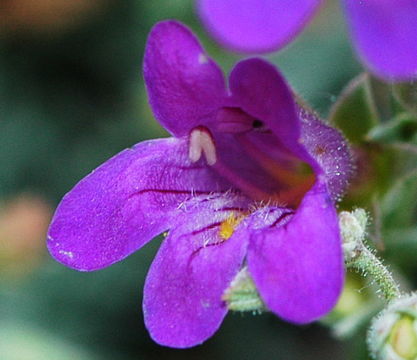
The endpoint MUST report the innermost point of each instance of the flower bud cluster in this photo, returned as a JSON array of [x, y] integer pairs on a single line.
[[353, 230], [242, 294], [393, 334]]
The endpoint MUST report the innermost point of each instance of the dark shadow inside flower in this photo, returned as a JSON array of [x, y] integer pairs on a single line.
[[289, 177], [266, 170]]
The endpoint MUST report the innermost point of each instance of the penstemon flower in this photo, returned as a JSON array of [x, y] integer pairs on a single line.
[[383, 31], [248, 181]]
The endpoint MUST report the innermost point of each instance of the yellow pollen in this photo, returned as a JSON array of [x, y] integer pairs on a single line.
[[228, 226]]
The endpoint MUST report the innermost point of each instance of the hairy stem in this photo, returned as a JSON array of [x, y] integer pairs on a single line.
[[369, 265]]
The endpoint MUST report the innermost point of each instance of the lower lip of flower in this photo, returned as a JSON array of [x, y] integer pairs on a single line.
[[228, 226]]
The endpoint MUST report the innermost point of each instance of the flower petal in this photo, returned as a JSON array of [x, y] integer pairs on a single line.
[[184, 85], [261, 91], [244, 170], [298, 266], [182, 302], [124, 203], [331, 152], [256, 26], [385, 34]]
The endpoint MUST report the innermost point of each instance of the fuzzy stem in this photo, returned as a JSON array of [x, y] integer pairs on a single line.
[[369, 265]]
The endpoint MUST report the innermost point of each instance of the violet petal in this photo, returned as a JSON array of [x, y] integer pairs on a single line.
[[184, 85], [243, 170], [298, 267], [331, 152], [126, 202], [263, 93], [385, 34], [183, 291], [256, 26]]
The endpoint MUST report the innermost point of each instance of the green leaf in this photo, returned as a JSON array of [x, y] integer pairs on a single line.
[[398, 207], [376, 166], [383, 100], [402, 128], [355, 112], [406, 95], [401, 246]]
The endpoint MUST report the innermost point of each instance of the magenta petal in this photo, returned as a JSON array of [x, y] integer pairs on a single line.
[[183, 291], [184, 85], [262, 92], [298, 267], [331, 152], [256, 25], [385, 34], [124, 203]]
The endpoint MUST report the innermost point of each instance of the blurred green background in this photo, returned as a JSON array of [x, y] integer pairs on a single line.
[[71, 96]]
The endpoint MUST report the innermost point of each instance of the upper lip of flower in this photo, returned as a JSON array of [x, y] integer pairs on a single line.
[[196, 182]]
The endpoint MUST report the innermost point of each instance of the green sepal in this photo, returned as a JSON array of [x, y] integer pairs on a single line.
[[242, 294]]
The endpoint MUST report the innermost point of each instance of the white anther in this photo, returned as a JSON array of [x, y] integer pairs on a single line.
[[202, 142]]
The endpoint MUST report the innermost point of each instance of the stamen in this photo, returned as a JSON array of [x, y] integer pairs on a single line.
[[201, 142]]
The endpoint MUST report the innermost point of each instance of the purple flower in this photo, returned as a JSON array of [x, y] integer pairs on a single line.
[[248, 179], [384, 31]]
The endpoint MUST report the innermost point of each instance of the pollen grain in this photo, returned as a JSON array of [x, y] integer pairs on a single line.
[[228, 226]]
